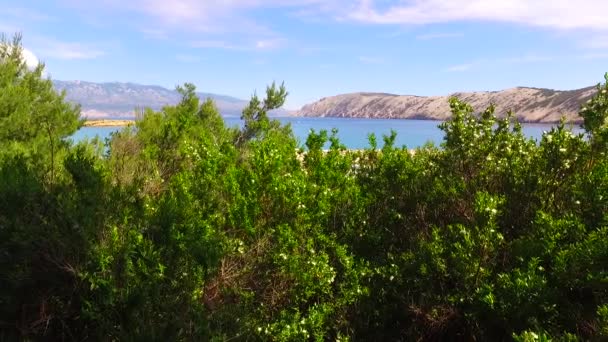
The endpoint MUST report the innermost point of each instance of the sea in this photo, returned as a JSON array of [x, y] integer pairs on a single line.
[[353, 132]]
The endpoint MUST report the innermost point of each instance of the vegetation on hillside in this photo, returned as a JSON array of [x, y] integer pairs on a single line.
[[180, 228]]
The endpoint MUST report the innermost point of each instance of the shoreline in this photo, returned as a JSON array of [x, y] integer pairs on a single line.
[[107, 123], [576, 121]]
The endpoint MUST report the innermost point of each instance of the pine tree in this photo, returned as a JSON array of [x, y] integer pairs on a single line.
[[35, 120]]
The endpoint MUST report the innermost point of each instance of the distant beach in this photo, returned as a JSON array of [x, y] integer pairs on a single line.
[[107, 123]]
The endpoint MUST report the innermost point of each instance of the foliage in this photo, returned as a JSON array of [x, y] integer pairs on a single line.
[[180, 228], [34, 119]]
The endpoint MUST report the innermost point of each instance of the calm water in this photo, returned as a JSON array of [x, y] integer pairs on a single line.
[[352, 132]]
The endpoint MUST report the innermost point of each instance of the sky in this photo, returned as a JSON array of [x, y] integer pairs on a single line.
[[318, 48]]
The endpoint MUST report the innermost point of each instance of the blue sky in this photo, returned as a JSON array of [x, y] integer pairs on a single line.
[[318, 47]]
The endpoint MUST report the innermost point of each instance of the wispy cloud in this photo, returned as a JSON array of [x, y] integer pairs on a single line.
[[489, 63], [226, 19], [72, 51], [254, 45], [209, 16], [55, 49], [555, 14], [16, 19], [444, 35], [319, 10], [28, 57]]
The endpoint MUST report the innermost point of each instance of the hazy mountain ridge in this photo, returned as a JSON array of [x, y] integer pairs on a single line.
[[119, 100], [529, 104]]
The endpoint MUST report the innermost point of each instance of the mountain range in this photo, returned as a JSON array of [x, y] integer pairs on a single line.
[[528, 104], [119, 100]]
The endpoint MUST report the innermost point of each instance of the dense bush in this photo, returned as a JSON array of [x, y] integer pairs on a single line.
[[180, 228]]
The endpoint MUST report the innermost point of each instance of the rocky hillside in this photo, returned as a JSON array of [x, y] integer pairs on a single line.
[[118, 100], [529, 104]]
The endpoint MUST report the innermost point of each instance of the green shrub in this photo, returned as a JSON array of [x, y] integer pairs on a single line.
[[180, 228]]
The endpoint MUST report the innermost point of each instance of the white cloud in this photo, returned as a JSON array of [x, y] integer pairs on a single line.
[[235, 15], [232, 25], [179, 10], [555, 14], [72, 51], [205, 15], [30, 59], [55, 49]]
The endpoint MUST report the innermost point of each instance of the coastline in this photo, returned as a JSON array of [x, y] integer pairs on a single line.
[[107, 123], [577, 121]]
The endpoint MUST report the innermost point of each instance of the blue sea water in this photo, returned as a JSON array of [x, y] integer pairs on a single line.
[[92, 132], [352, 132]]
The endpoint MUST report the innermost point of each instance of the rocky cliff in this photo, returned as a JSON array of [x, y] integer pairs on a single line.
[[529, 104]]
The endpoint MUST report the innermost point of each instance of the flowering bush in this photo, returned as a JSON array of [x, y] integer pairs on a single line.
[[185, 229]]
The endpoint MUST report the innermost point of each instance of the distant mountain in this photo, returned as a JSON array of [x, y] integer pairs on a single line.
[[529, 104], [119, 100]]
